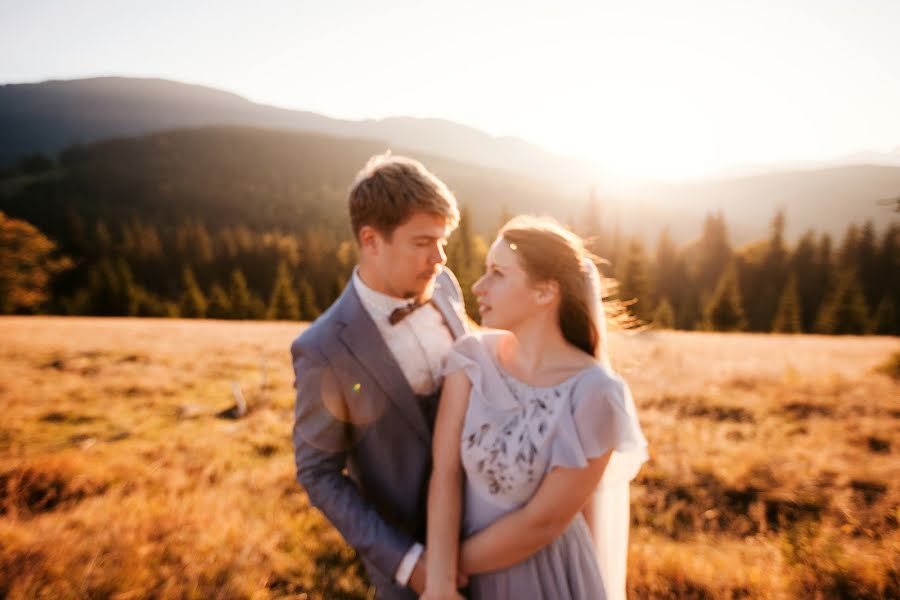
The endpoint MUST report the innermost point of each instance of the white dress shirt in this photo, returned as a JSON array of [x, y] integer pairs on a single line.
[[420, 344]]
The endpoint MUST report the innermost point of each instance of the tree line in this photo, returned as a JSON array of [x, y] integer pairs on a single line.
[[137, 268], [816, 285]]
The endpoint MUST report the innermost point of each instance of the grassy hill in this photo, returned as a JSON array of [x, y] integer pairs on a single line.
[[773, 470]]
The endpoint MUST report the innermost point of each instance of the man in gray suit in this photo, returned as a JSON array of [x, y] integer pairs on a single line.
[[368, 373]]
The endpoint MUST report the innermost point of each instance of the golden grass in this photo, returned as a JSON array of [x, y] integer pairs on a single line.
[[774, 469]]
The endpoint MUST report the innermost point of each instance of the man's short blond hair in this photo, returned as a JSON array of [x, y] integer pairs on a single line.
[[389, 189]]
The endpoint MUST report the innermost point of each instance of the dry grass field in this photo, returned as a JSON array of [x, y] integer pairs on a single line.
[[775, 469]]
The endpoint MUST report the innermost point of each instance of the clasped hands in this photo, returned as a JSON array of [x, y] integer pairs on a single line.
[[418, 579]]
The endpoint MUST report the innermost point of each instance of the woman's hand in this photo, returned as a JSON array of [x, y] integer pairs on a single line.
[[441, 594]]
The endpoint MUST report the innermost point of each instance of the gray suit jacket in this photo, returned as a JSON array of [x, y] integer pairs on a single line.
[[362, 444]]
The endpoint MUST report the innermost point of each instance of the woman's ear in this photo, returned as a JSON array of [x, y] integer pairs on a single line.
[[547, 291]]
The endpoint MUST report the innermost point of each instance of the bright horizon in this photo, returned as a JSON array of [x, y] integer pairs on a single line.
[[644, 88]]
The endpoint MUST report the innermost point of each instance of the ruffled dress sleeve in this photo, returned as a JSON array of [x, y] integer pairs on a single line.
[[602, 418], [462, 355], [470, 353]]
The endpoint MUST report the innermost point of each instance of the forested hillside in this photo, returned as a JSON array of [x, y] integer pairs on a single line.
[[234, 222]]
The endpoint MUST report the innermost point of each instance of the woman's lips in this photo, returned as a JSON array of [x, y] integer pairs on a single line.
[[483, 308]]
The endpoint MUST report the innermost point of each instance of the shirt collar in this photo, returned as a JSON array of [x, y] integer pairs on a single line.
[[377, 303]]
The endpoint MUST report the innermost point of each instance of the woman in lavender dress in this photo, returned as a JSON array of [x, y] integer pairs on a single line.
[[536, 437]]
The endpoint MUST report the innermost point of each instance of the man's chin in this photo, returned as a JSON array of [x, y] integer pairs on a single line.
[[424, 289]]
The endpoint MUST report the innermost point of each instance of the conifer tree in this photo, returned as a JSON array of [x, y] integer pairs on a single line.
[[634, 280], [848, 254], [245, 304], [664, 315], [804, 267], [787, 317], [710, 254], [870, 279], [130, 295], [283, 302], [724, 311], [844, 310], [192, 304], [465, 256], [884, 321], [219, 303], [889, 265], [665, 276], [772, 278], [102, 240], [309, 310]]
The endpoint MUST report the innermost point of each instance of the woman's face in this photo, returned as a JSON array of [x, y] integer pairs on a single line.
[[506, 296]]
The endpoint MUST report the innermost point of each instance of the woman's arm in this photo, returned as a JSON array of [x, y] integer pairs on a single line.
[[445, 490], [588, 512], [519, 534]]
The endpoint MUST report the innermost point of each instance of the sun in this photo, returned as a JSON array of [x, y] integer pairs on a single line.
[[638, 131]]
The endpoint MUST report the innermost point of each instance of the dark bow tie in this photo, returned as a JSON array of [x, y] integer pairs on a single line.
[[404, 311]]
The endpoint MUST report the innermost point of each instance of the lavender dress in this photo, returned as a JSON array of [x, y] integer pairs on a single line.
[[514, 433]]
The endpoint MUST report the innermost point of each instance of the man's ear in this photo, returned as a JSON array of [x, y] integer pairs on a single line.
[[369, 239]]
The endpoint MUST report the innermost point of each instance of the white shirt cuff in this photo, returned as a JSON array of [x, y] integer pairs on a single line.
[[408, 564]]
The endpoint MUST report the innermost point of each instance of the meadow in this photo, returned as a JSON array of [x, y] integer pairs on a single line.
[[774, 468]]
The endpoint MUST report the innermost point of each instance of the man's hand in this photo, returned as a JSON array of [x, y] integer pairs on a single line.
[[420, 574], [417, 579]]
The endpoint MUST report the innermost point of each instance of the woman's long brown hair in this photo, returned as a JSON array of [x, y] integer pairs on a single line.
[[550, 252]]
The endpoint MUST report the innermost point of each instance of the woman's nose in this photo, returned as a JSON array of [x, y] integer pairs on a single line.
[[477, 288]]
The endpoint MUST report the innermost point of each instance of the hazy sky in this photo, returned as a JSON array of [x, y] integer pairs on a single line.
[[664, 88]]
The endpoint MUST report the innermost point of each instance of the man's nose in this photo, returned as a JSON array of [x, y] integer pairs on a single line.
[[438, 256]]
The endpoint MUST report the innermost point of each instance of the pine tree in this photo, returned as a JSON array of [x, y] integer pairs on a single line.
[[772, 279], [634, 280], [245, 304], [884, 322], [844, 310], [871, 280], [283, 302], [889, 264], [848, 255], [102, 239], [130, 295], [803, 267], [465, 256], [102, 289], [665, 281], [308, 308], [590, 227], [709, 255], [787, 317], [219, 303], [192, 304], [664, 316], [724, 311]]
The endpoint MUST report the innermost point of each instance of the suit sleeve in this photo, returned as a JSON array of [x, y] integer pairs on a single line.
[[321, 436]]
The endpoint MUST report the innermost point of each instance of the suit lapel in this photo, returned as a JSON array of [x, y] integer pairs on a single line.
[[452, 311], [364, 341]]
